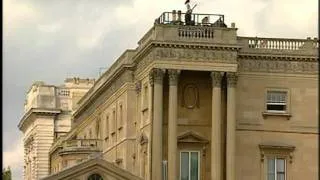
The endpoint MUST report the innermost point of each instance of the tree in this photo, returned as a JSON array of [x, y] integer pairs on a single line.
[[6, 174]]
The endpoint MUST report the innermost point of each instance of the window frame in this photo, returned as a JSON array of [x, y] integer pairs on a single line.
[[286, 112], [275, 158], [276, 151], [189, 155]]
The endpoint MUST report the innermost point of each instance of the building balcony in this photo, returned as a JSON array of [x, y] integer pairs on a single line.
[[81, 146]]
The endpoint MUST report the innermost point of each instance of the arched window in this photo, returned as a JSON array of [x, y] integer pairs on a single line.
[[95, 177]]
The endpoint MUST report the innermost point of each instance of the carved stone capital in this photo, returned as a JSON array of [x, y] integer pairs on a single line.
[[156, 76], [232, 79], [173, 77], [216, 78]]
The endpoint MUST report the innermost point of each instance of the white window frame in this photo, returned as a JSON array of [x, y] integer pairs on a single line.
[[275, 167], [189, 152], [286, 103]]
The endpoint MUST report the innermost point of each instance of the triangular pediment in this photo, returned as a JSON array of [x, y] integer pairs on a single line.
[[105, 169], [191, 137]]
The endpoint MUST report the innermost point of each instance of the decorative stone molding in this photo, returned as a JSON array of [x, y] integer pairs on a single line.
[[192, 137], [173, 76], [138, 87], [216, 78], [190, 96], [186, 54], [276, 150], [278, 66], [156, 76], [195, 54], [143, 139], [232, 79]]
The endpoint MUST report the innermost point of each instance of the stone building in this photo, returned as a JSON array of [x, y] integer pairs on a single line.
[[47, 117], [198, 103]]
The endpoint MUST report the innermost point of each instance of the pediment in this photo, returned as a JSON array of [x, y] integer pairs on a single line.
[[191, 137], [105, 169]]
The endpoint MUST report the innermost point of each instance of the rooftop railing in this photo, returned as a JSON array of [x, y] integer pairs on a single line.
[[179, 18], [292, 45]]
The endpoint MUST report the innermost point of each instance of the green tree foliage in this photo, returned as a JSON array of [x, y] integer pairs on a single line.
[[6, 173]]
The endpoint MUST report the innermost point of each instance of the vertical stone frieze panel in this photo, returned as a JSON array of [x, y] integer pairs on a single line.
[[278, 66]]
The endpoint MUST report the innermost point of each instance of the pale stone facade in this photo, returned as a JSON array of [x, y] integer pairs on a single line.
[[47, 117], [203, 98]]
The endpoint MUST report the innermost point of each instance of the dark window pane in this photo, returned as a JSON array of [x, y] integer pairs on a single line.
[[184, 166], [274, 107], [271, 169], [194, 166], [280, 165], [280, 177]]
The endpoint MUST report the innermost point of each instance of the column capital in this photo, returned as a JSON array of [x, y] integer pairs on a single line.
[[156, 76], [216, 78], [173, 76], [232, 79]]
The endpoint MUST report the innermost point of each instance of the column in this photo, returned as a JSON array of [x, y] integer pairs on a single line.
[[172, 124], [231, 125], [216, 126], [157, 79]]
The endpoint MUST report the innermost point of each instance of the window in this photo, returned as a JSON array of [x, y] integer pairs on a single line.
[[189, 165], [145, 97], [276, 161], [107, 126], [120, 117], [276, 169], [114, 122], [276, 101], [95, 177]]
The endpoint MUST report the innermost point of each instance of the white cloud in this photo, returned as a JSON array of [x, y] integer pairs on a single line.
[[14, 13]]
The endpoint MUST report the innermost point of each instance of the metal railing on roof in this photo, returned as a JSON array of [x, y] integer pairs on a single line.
[[179, 18]]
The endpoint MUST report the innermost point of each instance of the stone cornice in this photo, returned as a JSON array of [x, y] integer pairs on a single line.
[[278, 57], [95, 94], [37, 111]]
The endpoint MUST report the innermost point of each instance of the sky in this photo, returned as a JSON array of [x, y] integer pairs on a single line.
[[53, 40]]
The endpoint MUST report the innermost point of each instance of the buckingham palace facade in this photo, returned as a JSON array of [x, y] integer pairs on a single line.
[[196, 102]]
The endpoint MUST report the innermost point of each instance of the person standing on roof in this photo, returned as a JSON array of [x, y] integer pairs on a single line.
[[188, 13]]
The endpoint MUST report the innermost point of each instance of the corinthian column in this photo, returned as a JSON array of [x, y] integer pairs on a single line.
[[157, 81], [231, 125], [216, 126], [172, 124]]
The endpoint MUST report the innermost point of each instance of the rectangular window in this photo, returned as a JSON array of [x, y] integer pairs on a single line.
[[145, 97], [107, 126], [114, 121], [189, 165], [276, 169], [276, 101], [120, 119]]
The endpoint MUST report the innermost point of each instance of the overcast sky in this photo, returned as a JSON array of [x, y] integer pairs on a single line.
[[52, 40]]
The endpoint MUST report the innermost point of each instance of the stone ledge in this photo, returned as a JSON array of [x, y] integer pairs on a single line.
[[266, 114]]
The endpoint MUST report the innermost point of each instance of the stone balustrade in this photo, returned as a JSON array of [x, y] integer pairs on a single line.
[[290, 46], [82, 144]]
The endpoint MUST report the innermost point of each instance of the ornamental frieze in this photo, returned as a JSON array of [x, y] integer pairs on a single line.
[[187, 55], [194, 54], [278, 66]]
